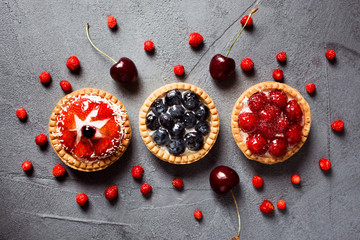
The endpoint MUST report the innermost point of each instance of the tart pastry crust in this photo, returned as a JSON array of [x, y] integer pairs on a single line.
[[209, 140], [67, 157], [237, 133]]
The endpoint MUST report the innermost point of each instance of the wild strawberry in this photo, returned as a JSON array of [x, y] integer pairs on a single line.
[[145, 189], [278, 98], [293, 111], [58, 170], [247, 64], [269, 113], [179, 70], [325, 164], [41, 140], [267, 207], [198, 214], [65, 85], [243, 21], [45, 77], [21, 113], [111, 193], [295, 179], [330, 54], [248, 122], [81, 199], [338, 125], [73, 63], [293, 134], [148, 46], [257, 102], [195, 39], [281, 204], [111, 22], [137, 171], [278, 74], [257, 181], [26, 166], [178, 183], [278, 147], [281, 56], [310, 88], [257, 144]]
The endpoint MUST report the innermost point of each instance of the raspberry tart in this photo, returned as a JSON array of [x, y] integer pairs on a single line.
[[89, 129], [179, 123], [270, 122]]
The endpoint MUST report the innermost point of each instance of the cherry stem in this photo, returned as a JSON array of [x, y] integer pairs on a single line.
[[88, 37], [237, 209], [251, 13]]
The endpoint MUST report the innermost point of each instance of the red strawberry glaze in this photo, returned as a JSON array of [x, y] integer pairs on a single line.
[[102, 116]]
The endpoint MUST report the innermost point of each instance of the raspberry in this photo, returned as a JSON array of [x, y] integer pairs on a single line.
[[73, 63], [243, 21], [293, 111], [65, 85], [330, 54], [247, 64], [148, 46], [281, 204], [310, 88], [195, 39], [267, 130], [111, 193], [137, 171], [338, 125], [198, 214], [281, 124], [257, 101], [293, 134], [278, 74], [58, 170], [267, 207], [41, 140], [45, 77], [111, 21], [279, 98], [145, 188], [295, 179], [179, 70], [26, 166], [257, 181], [325, 164], [21, 113], [178, 183], [269, 113], [81, 199], [278, 147], [281, 56], [248, 122], [257, 144]]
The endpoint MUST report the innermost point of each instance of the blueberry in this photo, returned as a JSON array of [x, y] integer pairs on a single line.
[[152, 122], [178, 130], [203, 128], [159, 107], [161, 136], [189, 120], [166, 120], [173, 97], [176, 111], [190, 100], [194, 141], [202, 112], [176, 146]]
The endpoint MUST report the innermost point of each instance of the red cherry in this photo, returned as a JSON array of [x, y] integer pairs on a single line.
[[279, 98], [278, 147], [248, 122], [223, 179], [257, 144], [269, 113], [124, 71], [221, 67], [257, 101], [293, 111], [293, 134]]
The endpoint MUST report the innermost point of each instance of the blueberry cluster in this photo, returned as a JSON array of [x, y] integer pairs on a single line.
[[171, 117]]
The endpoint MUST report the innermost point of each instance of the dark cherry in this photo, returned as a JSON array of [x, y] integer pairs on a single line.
[[223, 179], [221, 67], [88, 131], [124, 71]]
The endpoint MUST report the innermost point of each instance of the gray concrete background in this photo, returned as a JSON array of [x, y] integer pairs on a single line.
[[38, 36]]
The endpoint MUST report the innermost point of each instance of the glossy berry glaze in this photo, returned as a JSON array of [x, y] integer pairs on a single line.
[[90, 127]]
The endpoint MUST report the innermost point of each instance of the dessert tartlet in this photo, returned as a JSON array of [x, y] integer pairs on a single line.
[[179, 123], [89, 129], [270, 122]]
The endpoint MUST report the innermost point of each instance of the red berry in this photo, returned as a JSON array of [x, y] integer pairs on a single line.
[[281, 204], [257, 101], [148, 46], [58, 170], [278, 74], [21, 113], [137, 171], [279, 98], [267, 130], [81, 199], [257, 181], [281, 124], [325, 164], [248, 122], [178, 183], [310, 88], [243, 21], [293, 134], [247, 64], [65, 85], [257, 144], [330, 54], [198, 214], [179, 70], [269, 113], [195, 39], [111, 21], [73, 63], [41, 140], [26, 166], [278, 147], [45, 77], [338, 125], [281, 56], [145, 188], [293, 111], [267, 207], [111, 193], [295, 179]]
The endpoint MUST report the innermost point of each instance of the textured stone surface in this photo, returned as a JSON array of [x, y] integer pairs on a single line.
[[38, 36]]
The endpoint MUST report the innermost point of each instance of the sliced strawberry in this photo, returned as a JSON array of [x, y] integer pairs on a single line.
[[111, 129], [68, 139], [82, 107], [83, 149], [102, 145], [67, 120], [105, 112]]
